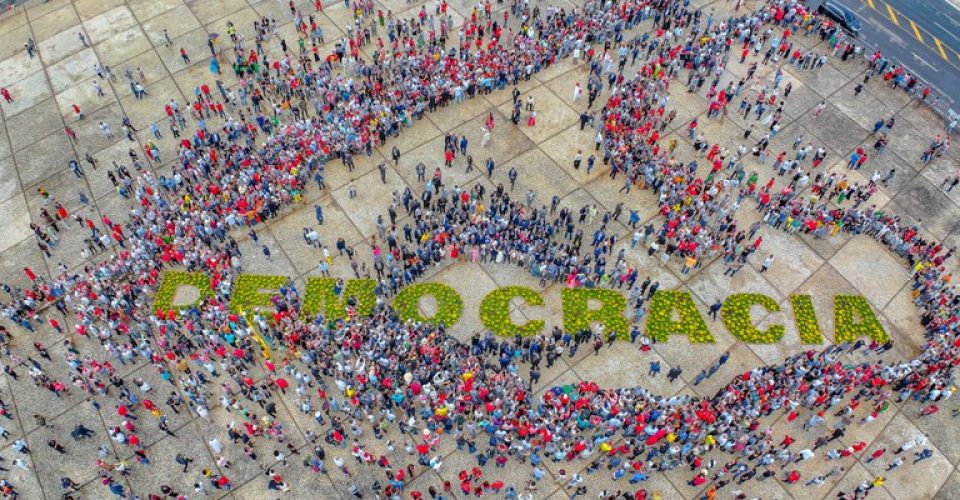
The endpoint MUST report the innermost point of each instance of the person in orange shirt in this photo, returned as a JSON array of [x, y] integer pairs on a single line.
[[711, 493]]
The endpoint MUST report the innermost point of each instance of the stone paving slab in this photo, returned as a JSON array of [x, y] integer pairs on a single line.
[[878, 286]]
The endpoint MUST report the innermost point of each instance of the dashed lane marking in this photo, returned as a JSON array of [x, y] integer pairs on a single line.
[[892, 13], [943, 53], [945, 50], [916, 31]]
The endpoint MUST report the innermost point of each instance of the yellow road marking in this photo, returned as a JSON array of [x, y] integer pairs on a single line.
[[943, 53], [916, 31], [946, 52], [892, 13]]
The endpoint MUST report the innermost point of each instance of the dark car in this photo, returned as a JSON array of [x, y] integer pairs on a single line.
[[841, 14]]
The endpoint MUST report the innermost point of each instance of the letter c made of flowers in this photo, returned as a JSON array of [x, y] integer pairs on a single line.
[[736, 317], [495, 311]]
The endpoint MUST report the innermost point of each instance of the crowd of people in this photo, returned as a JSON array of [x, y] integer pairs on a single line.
[[292, 118]]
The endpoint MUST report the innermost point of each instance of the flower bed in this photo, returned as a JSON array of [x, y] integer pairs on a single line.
[[846, 310], [495, 311], [320, 296], [660, 322], [736, 317], [577, 314], [246, 293], [806, 319], [172, 280], [449, 303]]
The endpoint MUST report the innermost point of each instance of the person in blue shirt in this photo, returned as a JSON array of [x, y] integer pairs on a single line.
[[922, 455], [636, 477]]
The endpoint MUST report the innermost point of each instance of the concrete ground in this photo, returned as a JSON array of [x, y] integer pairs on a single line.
[[34, 154]]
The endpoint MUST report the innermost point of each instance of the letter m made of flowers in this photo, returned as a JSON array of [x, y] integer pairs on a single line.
[[321, 296]]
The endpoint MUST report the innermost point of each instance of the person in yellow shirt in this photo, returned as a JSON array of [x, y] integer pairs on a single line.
[[688, 264]]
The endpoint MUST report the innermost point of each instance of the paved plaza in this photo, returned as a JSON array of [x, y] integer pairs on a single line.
[[129, 35]]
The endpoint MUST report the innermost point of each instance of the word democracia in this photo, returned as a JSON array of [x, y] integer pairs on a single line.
[[671, 312]]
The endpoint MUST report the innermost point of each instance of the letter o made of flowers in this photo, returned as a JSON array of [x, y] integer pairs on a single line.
[[578, 316], [495, 311], [736, 317], [449, 303]]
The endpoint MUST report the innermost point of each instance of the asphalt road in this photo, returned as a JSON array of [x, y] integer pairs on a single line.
[[938, 17], [896, 37]]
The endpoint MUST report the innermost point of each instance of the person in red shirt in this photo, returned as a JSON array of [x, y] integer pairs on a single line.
[[448, 157]]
